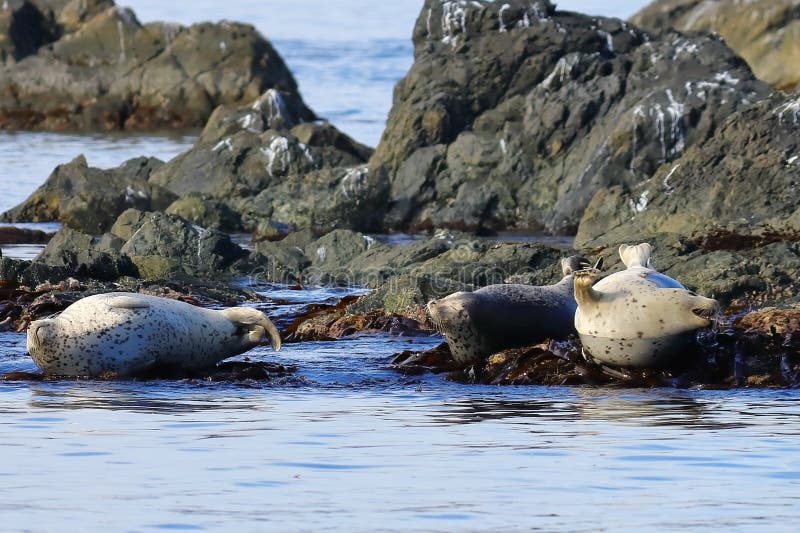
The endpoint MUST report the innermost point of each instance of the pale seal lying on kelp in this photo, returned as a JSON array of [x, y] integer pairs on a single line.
[[127, 333], [637, 317]]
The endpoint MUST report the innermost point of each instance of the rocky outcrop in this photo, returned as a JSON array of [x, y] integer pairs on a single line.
[[514, 114], [104, 70], [90, 199], [140, 244], [254, 166], [766, 33], [262, 162], [742, 180]]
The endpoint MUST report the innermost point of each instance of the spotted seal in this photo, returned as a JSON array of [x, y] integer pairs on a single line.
[[637, 317], [494, 318], [127, 333]]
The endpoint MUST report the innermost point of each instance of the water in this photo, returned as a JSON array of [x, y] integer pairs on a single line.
[[346, 443]]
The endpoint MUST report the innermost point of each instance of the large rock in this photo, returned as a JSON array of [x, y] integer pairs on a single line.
[[90, 199], [264, 163], [87, 256], [165, 245], [743, 180], [514, 114], [145, 245], [766, 33], [107, 71]]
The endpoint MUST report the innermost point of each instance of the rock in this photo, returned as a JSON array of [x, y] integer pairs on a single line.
[[741, 180], [515, 114], [266, 164], [165, 245], [104, 70], [206, 212], [13, 235], [85, 256], [332, 254], [766, 33], [89, 199]]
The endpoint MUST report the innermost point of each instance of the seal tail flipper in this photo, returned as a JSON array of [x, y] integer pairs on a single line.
[[272, 332], [636, 255]]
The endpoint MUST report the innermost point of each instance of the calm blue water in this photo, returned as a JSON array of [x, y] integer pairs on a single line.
[[347, 444]]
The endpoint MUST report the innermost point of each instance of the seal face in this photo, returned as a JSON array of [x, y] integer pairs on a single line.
[[637, 317], [497, 317], [127, 333]]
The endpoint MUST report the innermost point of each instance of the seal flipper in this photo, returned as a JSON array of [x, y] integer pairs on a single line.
[[258, 323], [640, 255], [584, 293]]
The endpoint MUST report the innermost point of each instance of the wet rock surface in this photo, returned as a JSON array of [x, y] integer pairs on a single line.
[[515, 114], [230, 371], [104, 70], [766, 33]]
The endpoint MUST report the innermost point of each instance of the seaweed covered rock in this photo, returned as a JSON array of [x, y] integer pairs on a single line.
[[766, 33], [514, 114], [104, 70], [90, 199]]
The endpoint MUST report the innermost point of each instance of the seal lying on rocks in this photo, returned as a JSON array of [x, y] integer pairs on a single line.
[[637, 317], [127, 333], [497, 317]]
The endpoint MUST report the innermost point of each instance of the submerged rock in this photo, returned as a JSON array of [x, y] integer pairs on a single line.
[[104, 70], [515, 114], [766, 33]]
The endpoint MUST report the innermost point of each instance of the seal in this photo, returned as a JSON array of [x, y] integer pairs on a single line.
[[127, 333], [637, 317], [497, 317]]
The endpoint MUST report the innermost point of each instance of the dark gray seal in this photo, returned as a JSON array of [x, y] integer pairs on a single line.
[[494, 318], [128, 333]]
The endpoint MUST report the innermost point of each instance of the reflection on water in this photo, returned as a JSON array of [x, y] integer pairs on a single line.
[[391, 457]]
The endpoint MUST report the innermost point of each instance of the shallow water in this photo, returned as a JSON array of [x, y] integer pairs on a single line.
[[347, 444]]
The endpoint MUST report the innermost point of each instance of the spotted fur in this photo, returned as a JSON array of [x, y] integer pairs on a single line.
[[637, 317], [494, 318], [127, 333]]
